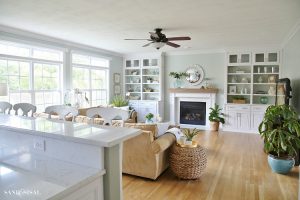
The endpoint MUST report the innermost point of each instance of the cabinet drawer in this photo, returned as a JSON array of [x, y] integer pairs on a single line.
[[147, 104], [259, 108], [237, 108]]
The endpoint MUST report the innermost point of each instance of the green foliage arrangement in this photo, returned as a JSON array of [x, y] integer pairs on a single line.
[[215, 114], [280, 130], [178, 75], [119, 101], [149, 116], [190, 133]]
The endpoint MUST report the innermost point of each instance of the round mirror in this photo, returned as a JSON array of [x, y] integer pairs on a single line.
[[195, 74]]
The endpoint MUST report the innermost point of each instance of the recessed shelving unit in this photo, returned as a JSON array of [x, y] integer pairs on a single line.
[[252, 77]]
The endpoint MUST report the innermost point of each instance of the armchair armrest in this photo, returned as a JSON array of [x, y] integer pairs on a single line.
[[162, 143]]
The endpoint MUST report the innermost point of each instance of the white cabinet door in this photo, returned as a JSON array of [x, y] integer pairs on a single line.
[[243, 121], [230, 120], [257, 118]]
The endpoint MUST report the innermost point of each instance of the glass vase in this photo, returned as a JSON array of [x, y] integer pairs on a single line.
[[177, 83]]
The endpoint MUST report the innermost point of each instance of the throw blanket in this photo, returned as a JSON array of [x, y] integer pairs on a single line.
[[175, 131]]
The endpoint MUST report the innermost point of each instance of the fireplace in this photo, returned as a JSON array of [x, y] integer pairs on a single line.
[[193, 113], [197, 103]]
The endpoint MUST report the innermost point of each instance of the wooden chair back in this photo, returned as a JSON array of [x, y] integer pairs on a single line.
[[5, 107], [25, 108], [62, 111]]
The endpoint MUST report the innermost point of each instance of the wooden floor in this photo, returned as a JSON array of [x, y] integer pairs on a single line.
[[237, 169]]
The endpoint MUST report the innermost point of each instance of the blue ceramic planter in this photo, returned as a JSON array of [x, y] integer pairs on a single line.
[[279, 165]]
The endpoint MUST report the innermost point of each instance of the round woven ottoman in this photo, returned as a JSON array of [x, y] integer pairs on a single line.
[[187, 163]]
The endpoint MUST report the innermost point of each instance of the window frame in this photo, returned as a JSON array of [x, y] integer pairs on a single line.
[[90, 68], [32, 60]]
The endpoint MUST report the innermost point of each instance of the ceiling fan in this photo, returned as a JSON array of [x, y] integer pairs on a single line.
[[158, 39]]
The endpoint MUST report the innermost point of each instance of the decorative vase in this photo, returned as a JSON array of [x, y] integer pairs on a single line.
[[188, 142], [177, 83], [149, 121], [280, 165], [264, 100]]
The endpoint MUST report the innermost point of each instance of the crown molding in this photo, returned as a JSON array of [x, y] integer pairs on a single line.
[[291, 33], [193, 52], [22, 35]]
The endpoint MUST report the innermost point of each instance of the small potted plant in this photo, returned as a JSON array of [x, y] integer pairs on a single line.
[[215, 117], [120, 102], [190, 134], [178, 76], [280, 130], [149, 118]]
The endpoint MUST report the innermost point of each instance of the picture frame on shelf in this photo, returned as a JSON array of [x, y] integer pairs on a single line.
[[117, 78], [117, 89], [232, 89]]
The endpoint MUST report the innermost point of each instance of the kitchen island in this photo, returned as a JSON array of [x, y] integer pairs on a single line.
[[49, 159]]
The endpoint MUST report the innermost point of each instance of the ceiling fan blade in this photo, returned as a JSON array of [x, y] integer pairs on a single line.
[[137, 39], [178, 38], [172, 44], [147, 44], [154, 34]]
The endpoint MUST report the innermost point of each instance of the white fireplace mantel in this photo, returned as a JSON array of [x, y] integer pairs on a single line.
[[193, 95]]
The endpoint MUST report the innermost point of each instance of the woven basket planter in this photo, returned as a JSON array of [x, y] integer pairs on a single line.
[[187, 163]]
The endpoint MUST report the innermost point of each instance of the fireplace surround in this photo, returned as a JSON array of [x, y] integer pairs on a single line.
[[197, 102]]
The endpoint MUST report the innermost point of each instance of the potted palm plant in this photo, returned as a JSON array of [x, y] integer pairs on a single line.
[[215, 117], [280, 130], [190, 134]]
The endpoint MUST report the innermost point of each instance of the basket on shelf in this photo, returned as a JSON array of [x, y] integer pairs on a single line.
[[239, 101]]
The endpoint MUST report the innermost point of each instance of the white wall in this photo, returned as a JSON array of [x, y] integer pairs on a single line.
[[214, 69], [291, 67]]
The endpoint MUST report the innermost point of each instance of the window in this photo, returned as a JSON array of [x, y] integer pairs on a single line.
[[90, 75], [33, 74]]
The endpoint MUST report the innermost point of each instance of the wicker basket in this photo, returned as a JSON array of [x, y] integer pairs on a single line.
[[187, 163]]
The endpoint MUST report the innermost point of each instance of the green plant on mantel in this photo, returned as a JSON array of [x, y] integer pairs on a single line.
[[215, 114], [119, 101], [178, 75], [280, 130], [190, 133]]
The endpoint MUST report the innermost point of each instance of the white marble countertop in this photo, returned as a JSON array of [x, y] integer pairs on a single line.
[[34, 177], [63, 130]]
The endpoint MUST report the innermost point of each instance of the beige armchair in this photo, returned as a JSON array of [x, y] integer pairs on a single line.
[[146, 155]]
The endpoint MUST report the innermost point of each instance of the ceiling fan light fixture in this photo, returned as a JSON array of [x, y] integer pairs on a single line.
[[158, 45]]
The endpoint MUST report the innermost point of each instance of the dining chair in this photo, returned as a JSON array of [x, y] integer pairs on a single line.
[[108, 114], [62, 111], [25, 108], [5, 107]]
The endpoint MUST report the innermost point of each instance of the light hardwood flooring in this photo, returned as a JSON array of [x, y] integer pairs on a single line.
[[237, 169]]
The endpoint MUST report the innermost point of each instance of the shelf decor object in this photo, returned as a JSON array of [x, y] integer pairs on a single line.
[[264, 100]]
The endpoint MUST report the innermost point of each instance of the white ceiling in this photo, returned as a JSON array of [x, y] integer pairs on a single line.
[[215, 24]]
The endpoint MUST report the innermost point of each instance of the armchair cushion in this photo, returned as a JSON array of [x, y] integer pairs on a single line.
[[144, 127], [162, 143]]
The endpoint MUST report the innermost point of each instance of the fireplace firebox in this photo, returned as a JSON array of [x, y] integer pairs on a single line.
[[193, 113]]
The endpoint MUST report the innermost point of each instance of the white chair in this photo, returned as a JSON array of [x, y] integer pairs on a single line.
[[5, 107], [108, 114], [25, 108], [62, 111]]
